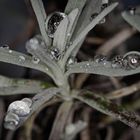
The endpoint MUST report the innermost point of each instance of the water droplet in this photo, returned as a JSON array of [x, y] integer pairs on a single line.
[[11, 120], [69, 34], [53, 22], [35, 60], [68, 45], [55, 54], [117, 62], [10, 51], [104, 4], [21, 58], [131, 61], [35, 42], [87, 66], [71, 61], [101, 59], [5, 46], [132, 10], [46, 69], [20, 108], [28, 101]]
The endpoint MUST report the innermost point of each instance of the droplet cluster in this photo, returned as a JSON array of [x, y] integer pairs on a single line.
[[100, 59], [16, 112], [129, 61]]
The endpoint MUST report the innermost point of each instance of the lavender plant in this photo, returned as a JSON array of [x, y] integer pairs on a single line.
[[54, 53]]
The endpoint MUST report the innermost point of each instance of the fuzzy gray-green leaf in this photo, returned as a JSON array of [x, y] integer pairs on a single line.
[[60, 36], [73, 17], [85, 31], [37, 101], [133, 20], [109, 108], [10, 86], [41, 17], [72, 4], [100, 68], [20, 59], [92, 7]]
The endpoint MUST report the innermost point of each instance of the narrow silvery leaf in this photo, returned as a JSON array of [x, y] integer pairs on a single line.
[[72, 4], [60, 36], [40, 8], [85, 31], [37, 101], [20, 59], [133, 20], [10, 86], [73, 17], [109, 108], [104, 68], [41, 17], [92, 7]]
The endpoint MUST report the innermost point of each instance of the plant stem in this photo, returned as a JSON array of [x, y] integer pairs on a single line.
[[60, 121]]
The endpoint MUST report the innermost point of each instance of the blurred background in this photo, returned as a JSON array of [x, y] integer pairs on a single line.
[[18, 24]]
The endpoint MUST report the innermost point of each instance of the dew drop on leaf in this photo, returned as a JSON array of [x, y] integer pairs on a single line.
[[132, 10], [104, 3], [46, 69], [28, 101], [21, 58], [68, 45], [55, 53], [35, 42], [20, 108], [53, 22], [5, 46], [71, 61], [131, 61], [11, 120], [10, 51], [69, 34], [117, 62], [35, 60], [100, 59]]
